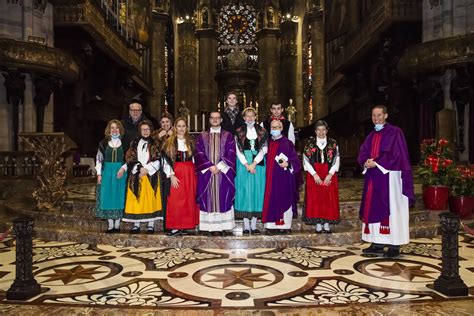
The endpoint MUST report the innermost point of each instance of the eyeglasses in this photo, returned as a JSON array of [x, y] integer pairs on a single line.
[[145, 130], [133, 110]]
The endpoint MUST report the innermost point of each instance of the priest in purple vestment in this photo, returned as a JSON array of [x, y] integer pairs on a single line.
[[215, 167], [388, 188], [282, 180]]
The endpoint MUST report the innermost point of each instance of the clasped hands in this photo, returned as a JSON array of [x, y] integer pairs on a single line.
[[370, 163], [251, 168], [319, 181]]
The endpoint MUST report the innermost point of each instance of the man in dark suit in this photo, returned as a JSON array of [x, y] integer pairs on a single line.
[[232, 117]]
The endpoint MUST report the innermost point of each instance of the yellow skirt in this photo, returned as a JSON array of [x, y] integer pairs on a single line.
[[147, 207]]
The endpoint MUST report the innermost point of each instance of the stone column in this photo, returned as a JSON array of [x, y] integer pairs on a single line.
[[316, 21], [207, 69], [268, 68], [43, 89], [288, 51], [157, 100], [15, 86], [186, 70]]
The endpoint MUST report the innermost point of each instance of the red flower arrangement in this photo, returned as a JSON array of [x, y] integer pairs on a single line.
[[436, 162], [462, 180]]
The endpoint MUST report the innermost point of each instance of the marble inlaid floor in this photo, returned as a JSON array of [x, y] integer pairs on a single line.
[[79, 275]]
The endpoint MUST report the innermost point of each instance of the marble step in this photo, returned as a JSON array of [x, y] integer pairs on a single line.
[[74, 215], [427, 229]]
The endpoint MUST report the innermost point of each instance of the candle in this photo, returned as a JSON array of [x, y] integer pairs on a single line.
[[195, 122], [203, 122], [189, 121]]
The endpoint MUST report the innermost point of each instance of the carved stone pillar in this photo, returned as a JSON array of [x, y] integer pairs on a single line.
[[268, 67], [207, 69], [186, 73], [316, 21], [15, 86], [43, 88], [25, 286], [288, 65], [449, 282], [49, 149], [157, 100]]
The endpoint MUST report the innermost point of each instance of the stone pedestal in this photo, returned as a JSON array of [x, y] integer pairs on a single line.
[[449, 282], [25, 286]]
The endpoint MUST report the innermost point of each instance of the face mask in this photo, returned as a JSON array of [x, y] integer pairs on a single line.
[[250, 123], [378, 127], [275, 132], [115, 136]]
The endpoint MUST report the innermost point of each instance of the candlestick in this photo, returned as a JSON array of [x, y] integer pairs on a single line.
[[195, 122], [203, 122], [189, 121]]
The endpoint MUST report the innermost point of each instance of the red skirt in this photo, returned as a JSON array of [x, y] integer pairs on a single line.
[[182, 211], [322, 202]]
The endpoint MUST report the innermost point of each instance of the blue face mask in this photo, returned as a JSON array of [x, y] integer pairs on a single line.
[[250, 123], [378, 127], [275, 132], [115, 136]]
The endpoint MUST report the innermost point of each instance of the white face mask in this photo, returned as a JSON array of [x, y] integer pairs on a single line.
[[275, 132], [250, 123], [115, 136], [378, 127]]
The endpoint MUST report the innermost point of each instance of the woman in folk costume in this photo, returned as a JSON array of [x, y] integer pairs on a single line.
[[110, 188], [144, 202], [182, 209], [160, 136], [251, 144], [321, 161]]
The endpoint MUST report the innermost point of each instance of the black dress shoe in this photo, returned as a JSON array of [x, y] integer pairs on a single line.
[[135, 230], [391, 253], [246, 231], [150, 230], [174, 233], [374, 248], [110, 231], [325, 231], [117, 230], [319, 231], [256, 232]]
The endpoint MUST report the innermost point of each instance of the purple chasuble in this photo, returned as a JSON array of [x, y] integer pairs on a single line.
[[281, 187], [215, 193], [388, 148]]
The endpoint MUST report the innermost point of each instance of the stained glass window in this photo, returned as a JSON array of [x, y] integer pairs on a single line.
[[237, 29]]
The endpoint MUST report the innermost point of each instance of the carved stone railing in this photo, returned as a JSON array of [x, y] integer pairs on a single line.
[[437, 54], [32, 57], [383, 14], [49, 148], [18, 164], [89, 15]]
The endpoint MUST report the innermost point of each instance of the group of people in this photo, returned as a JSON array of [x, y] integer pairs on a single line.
[[239, 169]]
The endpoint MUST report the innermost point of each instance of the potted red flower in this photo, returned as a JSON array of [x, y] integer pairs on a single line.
[[434, 170], [461, 200]]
